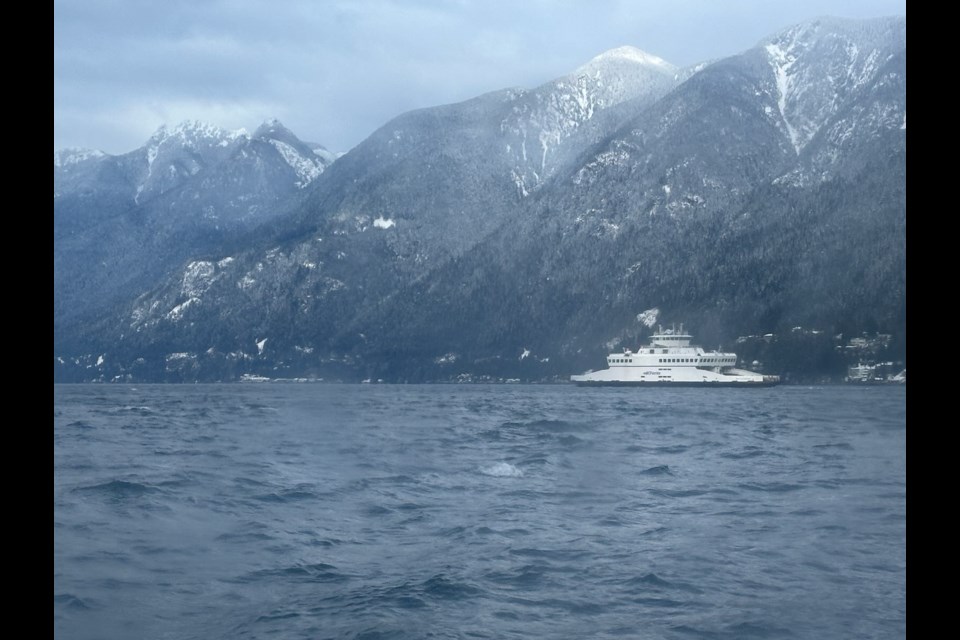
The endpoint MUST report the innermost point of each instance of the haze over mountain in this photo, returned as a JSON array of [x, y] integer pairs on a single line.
[[518, 234]]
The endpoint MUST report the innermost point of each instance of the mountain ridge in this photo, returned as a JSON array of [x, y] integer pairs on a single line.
[[456, 238]]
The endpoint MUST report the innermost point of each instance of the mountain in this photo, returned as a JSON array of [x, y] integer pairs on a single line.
[[751, 198], [525, 233], [121, 223]]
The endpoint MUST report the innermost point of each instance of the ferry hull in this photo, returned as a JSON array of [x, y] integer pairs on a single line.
[[677, 383]]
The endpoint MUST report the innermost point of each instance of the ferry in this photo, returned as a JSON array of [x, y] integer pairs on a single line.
[[671, 360]]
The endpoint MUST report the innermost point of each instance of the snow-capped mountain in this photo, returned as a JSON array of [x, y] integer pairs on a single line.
[[172, 157], [546, 127], [120, 222], [761, 191]]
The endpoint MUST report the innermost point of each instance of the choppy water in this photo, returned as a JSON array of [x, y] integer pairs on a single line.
[[336, 511]]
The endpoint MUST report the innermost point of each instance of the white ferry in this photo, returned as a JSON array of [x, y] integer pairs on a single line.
[[670, 360]]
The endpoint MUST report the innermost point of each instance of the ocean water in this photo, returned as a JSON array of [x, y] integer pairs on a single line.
[[500, 511]]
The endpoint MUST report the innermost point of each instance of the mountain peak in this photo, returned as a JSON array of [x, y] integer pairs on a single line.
[[631, 55], [272, 128]]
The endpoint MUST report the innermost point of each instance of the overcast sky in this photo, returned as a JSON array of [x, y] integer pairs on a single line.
[[333, 71]]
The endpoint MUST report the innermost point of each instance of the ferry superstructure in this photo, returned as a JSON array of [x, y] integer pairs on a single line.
[[671, 360]]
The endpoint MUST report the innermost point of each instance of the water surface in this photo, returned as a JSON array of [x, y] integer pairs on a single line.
[[501, 511]]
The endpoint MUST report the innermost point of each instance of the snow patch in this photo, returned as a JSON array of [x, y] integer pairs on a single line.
[[307, 169], [781, 61], [525, 354], [260, 345], [177, 312], [649, 317], [74, 155], [383, 223], [197, 278], [519, 181]]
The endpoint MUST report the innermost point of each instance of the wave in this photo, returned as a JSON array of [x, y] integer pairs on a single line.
[[69, 601], [289, 495], [650, 580], [653, 582], [555, 426], [80, 424], [118, 489], [502, 470], [773, 487], [677, 493], [660, 470], [320, 572], [748, 452]]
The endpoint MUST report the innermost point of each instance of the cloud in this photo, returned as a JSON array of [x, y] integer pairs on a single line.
[[333, 71]]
